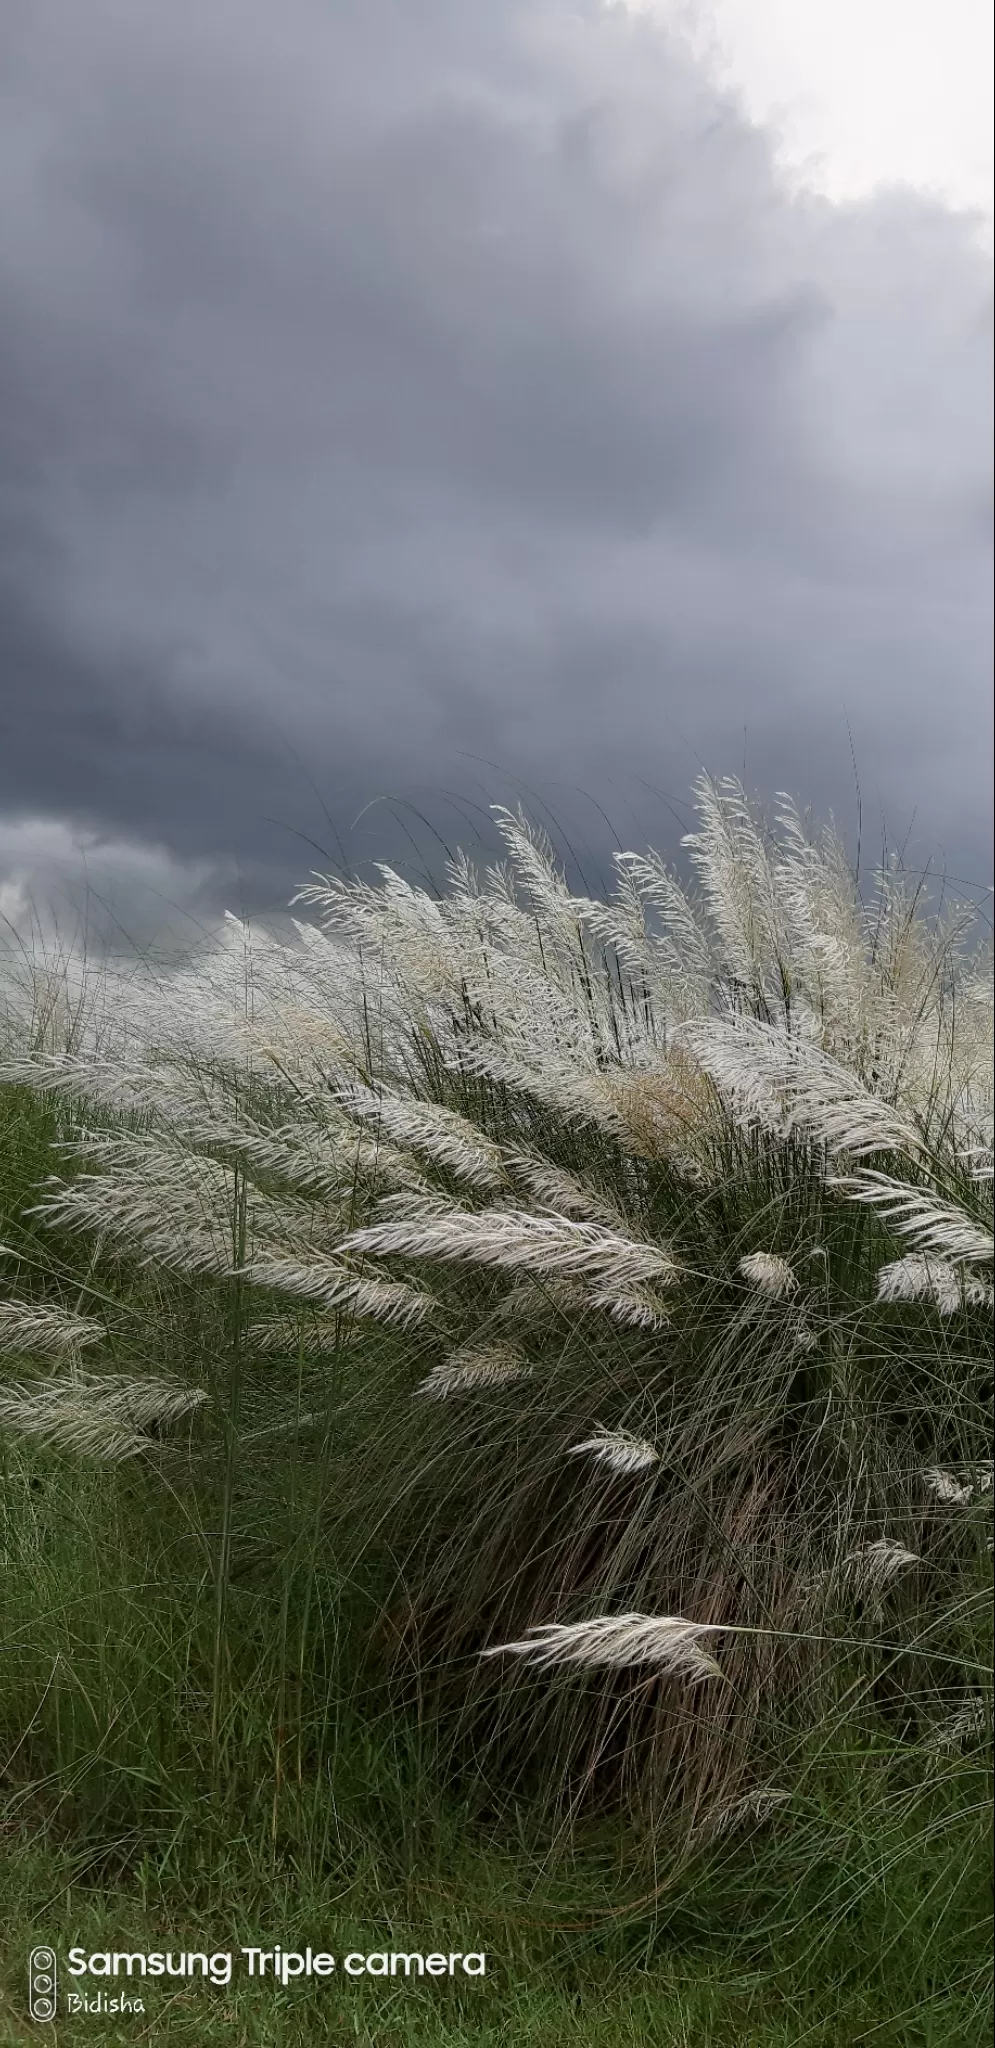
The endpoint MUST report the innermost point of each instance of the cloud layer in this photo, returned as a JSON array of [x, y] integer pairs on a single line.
[[382, 386]]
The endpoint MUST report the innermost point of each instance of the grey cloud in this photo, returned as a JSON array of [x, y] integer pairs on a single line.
[[385, 386]]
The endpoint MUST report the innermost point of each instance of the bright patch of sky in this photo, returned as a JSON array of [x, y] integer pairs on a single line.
[[863, 93]]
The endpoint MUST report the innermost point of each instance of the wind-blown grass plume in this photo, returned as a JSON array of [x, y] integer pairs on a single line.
[[476, 1365], [749, 1809], [770, 1274], [518, 1240], [540, 879], [876, 1564], [562, 1192], [634, 1308], [823, 913], [309, 1158], [163, 1088], [106, 1418], [969, 1724], [934, 1226], [309, 1334], [335, 1285], [782, 1082], [672, 1646], [945, 1486], [155, 1197], [921, 1277], [738, 884], [429, 1129], [577, 1091], [536, 1301], [48, 1332], [618, 1450], [681, 958]]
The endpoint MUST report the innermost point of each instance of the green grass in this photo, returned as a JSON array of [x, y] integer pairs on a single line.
[[321, 1816], [722, 1964]]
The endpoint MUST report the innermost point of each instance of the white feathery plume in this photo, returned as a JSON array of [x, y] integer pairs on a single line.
[[161, 1201], [117, 1083], [338, 1286], [433, 1202], [657, 986], [966, 1725], [170, 1227], [531, 1299], [636, 1309], [408, 952], [156, 1157], [168, 1086], [518, 1240], [462, 876], [738, 885], [947, 1488], [480, 1365], [769, 1274], [687, 949], [96, 1080], [28, 1326], [617, 1449], [543, 1001], [314, 1159], [429, 1128], [664, 1110], [754, 1806], [788, 1082], [577, 1091], [560, 1191], [502, 893], [874, 1565], [105, 1418], [922, 1277], [817, 888], [668, 1643], [933, 1224], [534, 864], [620, 924], [986, 1169]]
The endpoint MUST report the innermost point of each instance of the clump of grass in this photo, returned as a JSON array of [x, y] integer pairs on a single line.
[[677, 1209]]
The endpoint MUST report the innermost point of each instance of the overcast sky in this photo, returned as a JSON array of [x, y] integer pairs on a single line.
[[391, 386]]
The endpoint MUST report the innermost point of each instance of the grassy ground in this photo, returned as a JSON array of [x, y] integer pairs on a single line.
[[853, 1923], [883, 1970], [317, 1815]]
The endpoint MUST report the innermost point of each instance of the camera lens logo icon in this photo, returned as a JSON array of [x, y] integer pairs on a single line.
[[42, 1984]]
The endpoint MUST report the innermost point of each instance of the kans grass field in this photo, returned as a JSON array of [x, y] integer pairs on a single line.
[[495, 1422]]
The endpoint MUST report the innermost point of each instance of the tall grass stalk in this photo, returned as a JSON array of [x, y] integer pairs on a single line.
[[236, 1292]]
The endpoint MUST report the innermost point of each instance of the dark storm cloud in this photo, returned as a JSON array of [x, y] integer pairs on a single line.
[[385, 385]]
